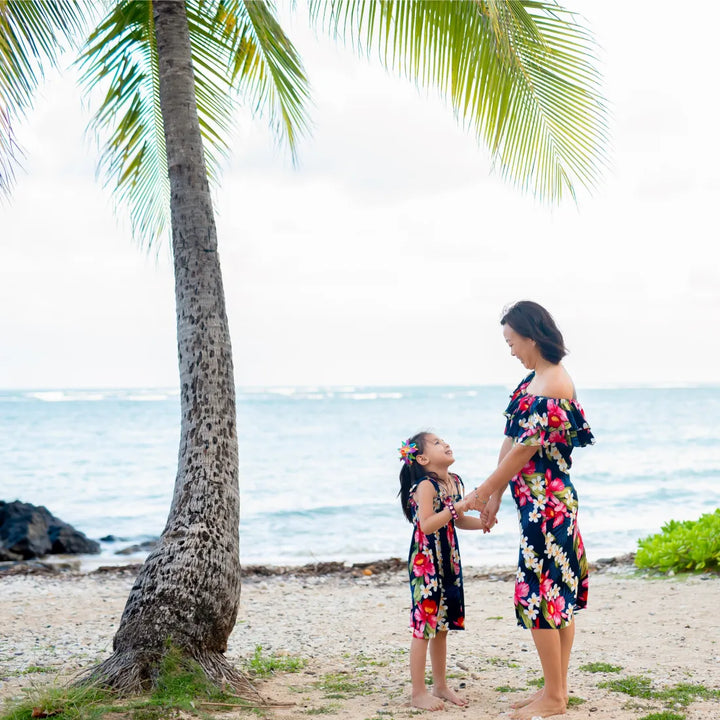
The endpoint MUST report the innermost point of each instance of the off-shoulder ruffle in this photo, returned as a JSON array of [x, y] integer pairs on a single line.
[[539, 420]]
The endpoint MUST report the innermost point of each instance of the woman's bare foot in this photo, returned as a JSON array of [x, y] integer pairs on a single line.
[[426, 701], [526, 701], [542, 707], [532, 698], [450, 695]]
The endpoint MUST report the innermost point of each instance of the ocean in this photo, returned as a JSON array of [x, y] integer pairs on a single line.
[[319, 467]]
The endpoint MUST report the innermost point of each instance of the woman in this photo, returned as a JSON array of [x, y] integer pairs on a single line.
[[544, 423]]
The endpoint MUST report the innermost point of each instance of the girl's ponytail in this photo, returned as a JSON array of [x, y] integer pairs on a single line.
[[411, 472]]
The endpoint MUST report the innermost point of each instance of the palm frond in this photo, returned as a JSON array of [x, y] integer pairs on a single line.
[[121, 55], [264, 65], [33, 36], [120, 58], [519, 73]]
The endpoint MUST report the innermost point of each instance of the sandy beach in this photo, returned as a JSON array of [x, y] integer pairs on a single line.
[[353, 633]]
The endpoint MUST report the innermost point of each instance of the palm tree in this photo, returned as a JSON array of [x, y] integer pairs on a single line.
[[518, 73]]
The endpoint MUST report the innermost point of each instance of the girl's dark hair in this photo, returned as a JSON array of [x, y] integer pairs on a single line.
[[533, 321], [410, 474]]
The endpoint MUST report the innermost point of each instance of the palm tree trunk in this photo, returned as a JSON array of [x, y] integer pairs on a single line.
[[187, 592]]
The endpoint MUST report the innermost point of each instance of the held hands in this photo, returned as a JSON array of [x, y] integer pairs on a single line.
[[489, 515], [486, 505], [476, 499]]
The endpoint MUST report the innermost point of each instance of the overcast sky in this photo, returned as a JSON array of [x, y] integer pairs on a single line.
[[387, 256]]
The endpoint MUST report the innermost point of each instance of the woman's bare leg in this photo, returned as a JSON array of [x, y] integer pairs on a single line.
[[567, 637], [553, 700]]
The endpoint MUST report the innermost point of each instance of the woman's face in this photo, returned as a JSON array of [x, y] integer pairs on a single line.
[[521, 347]]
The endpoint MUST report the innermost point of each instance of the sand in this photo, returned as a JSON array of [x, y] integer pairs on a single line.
[[354, 630]]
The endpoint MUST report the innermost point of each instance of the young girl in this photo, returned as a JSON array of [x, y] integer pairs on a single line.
[[432, 501]]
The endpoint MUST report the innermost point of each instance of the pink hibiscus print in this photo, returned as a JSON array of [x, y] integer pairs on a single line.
[[423, 566], [425, 614], [555, 608], [553, 485], [525, 403], [521, 492], [546, 585], [557, 417], [522, 589], [554, 510]]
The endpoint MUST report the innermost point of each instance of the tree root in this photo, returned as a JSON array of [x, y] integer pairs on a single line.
[[132, 672]]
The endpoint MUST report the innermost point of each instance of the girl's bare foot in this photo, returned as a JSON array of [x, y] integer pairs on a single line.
[[426, 701], [450, 695], [543, 707]]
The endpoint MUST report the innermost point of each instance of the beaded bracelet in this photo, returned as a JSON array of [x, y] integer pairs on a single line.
[[449, 505]]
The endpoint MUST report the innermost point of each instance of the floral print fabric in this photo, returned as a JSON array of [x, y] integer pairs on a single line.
[[552, 577], [438, 603]]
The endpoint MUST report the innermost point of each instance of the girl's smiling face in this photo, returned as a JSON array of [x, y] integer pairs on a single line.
[[521, 347], [436, 453]]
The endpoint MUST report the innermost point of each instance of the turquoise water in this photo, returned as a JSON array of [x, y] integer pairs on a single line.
[[319, 466]]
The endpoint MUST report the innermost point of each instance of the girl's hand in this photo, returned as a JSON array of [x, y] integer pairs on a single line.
[[489, 514], [461, 506]]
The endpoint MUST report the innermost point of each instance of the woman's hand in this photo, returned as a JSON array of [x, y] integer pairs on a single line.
[[477, 499]]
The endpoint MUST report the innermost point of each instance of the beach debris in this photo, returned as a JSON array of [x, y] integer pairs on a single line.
[[146, 546], [38, 712]]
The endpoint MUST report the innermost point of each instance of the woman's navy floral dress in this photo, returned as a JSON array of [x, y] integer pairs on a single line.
[[436, 585], [552, 576]]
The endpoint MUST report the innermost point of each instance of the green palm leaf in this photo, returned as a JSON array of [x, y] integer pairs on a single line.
[[121, 57], [518, 73], [232, 44], [265, 66], [33, 34]]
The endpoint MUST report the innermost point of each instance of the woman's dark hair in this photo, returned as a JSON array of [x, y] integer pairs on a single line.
[[410, 474], [533, 321]]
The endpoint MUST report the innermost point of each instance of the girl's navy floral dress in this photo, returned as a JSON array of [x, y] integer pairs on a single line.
[[552, 576], [436, 585]]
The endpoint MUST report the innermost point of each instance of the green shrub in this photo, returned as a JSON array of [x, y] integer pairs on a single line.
[[683, 546]]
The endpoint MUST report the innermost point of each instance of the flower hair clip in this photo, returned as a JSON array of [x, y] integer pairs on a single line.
[[407, 452]]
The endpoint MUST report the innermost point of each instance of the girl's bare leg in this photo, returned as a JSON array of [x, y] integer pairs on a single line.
[[553, 700], [421, 698], [438, 660]]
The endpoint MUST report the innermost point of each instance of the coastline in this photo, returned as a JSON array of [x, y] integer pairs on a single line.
[[350, 622]]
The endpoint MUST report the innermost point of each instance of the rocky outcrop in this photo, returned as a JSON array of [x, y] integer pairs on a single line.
[[29, 531]]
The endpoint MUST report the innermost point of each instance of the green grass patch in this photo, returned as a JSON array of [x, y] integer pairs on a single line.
[[632, 685], [575, 701], [537, 682], [690, 545], [181, 685], [261, 665], [681, 694], [340, 686], [501, 662], [507, 689], [601, 667], [665, 715], [324, 710], [74, 703], [361, 660], [685, 693]]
